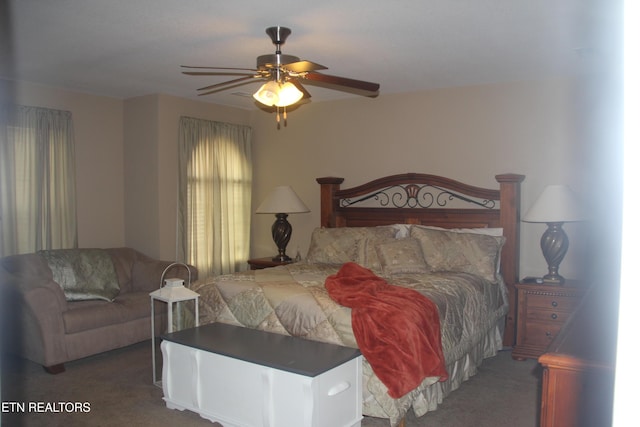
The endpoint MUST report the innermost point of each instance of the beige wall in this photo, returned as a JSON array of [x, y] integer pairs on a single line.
[[151, 136], [126, 162], [142, 192], [470, 134], [555, 131], [98, 129]]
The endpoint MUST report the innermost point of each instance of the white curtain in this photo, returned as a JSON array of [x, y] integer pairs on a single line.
[[214, 195], [37, 180]]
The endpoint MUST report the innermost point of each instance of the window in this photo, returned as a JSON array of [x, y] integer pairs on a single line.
[[37, 181], [214, 199]]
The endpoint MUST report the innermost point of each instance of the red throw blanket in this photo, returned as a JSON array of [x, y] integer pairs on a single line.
[[397, 329]]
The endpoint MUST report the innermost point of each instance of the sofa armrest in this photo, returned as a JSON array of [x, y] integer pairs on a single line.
[[35, 308]]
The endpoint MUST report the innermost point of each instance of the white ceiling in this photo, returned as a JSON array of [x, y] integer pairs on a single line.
[[128, 48]]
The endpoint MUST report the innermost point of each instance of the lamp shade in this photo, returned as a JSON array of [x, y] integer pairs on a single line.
[[289, 94], [268, 93], [557, 203], [282, 199], [278, 94]]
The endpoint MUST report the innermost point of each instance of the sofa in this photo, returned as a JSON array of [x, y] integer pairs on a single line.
[[51, 316]]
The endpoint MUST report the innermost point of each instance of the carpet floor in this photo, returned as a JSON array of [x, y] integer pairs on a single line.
[[115, 389]]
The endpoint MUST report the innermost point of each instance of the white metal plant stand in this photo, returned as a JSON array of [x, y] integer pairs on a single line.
[[173, 291]]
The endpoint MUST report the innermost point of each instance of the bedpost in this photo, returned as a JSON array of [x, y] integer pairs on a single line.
[[510, 258], [328, 188]]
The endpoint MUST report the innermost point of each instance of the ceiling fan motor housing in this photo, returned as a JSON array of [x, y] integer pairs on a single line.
[[278, 35], [271, 60]]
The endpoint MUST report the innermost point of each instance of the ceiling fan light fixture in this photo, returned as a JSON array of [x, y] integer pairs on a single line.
[[278, 94], [268, 93], [289, 94]]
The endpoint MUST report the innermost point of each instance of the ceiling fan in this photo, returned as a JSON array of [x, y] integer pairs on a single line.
[[284, 75]]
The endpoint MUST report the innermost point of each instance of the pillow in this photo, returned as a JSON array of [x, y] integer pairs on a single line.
[[401, 256], [456, 251], [370, 258], [83, 274], [489, 231], [343, 244]]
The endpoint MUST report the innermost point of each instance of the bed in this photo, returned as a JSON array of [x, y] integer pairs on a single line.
[[453, 243]]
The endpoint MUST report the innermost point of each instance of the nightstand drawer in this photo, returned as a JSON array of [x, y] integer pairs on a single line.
[[548, 315], [539, 334], [555, 302]]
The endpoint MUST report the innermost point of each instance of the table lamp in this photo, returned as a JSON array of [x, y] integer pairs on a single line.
[[282, 201], [556, 205]]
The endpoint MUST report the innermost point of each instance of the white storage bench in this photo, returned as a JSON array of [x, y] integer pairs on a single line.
[[247, 378]]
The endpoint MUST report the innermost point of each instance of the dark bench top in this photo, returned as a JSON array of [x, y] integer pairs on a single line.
[[282, 352]]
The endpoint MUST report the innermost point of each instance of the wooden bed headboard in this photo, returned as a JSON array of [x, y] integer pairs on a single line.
[[415, 198]]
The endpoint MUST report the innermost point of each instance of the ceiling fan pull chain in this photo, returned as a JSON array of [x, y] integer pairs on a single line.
[[278, 117]]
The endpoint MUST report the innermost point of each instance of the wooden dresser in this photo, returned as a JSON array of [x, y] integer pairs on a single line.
[[578, 367], [542, 311]]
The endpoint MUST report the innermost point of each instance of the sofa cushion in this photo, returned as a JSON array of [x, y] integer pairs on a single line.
[[83, 274], [147, 272], [123, 261], [86, 315]]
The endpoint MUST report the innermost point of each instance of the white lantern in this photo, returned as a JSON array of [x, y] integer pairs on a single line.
[[172, 292]]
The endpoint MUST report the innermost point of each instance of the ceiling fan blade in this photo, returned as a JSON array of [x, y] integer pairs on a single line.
[[220, 89], [303, 66], [214, 73], [217, 68], [229, 82], [359, 87], [301, 88]]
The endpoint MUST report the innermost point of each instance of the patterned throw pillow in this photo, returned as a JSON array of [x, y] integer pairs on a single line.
[[401, 256], [343, 244], [460, 252]]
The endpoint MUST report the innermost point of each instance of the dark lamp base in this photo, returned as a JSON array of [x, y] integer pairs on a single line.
[[554, 244], [281, 233]]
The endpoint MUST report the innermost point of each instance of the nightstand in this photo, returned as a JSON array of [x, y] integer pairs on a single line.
[[266, 262], [542, 311]]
